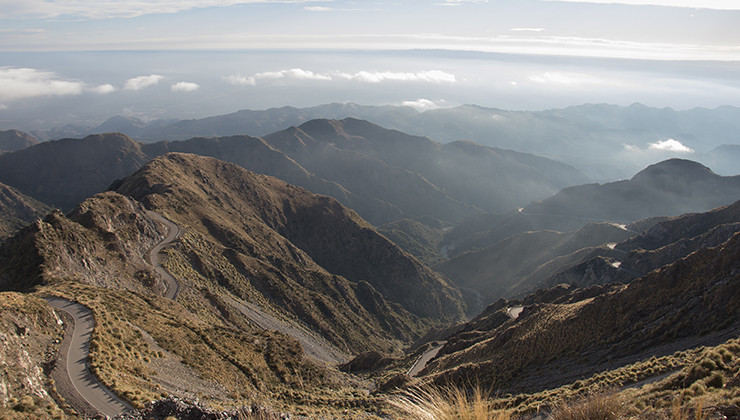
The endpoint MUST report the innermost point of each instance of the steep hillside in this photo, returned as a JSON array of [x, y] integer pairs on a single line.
[[672, 187], [31, 334], [287, 241], [664, 243], [520, 262], [254, 254], [18, 210], [257, 155], [669, 188], [102, 242], [670, 309], [64, 172], [385, 175], [428, 178], [12, 140]]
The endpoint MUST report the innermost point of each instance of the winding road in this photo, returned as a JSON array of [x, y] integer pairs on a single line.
[[87, 387], [173, 231], [76, 364]]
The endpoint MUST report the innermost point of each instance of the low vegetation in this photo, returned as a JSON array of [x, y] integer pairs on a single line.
[[702, 383]]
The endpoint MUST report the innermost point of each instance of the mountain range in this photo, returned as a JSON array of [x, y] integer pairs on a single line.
[[384, 175], [290, 273], [606, 142]]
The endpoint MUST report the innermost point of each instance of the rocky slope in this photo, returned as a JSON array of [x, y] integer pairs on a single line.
[[689, 300], [102, 242], [18, 210], [30, 333], [665, 242], [252, 248], [521, 262], [263, 218]]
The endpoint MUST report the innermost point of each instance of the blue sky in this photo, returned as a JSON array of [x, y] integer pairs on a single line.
[[81, 61]]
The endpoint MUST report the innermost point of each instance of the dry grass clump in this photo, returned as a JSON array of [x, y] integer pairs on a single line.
[[447, 403], [601, 406], [30, 407]]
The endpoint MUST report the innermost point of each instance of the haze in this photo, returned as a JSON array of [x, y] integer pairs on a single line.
[[65, 62]]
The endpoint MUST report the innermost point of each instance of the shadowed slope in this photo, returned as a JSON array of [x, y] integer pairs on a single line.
[[292, 247]]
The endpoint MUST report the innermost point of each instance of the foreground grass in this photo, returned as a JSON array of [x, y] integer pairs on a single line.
[[447, 403], [702, 383]]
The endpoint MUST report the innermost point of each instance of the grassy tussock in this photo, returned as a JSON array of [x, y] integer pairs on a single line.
[[448, 403], [597, 406]]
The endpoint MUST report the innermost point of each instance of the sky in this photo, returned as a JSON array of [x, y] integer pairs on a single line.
[[79, 62]]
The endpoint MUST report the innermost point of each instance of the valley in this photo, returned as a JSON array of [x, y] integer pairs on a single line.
[[337, 268]]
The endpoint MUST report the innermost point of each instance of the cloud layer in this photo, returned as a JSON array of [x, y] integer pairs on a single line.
[[114, 9], [428, 76], [693, 4]]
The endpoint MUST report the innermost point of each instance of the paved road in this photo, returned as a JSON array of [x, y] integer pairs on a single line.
[[422, 361], [173, 231], [76, 362]]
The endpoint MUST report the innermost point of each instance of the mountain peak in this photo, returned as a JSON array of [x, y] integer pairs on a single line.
[[675, 168], [12, 140]]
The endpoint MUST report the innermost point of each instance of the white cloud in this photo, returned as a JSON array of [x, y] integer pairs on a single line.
[[239, 80], [694, 4], [299, 74], [431, 76], [423, 104], [21, 83], [184, 87], [140, 82], [670, 145], [102, 89], [319, 9], [114, 9]]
